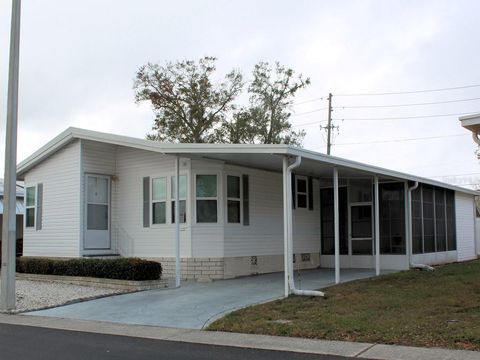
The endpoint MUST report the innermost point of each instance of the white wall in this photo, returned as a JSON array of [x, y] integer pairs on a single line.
[[477, 234], [208, 239], [157, 240], [100, 159], [60, 175], [465, 224], [264, 235]]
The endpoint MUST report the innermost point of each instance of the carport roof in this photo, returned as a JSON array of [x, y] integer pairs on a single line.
[[250, 155]]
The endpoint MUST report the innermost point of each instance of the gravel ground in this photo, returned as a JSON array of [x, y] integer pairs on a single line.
[[32, 295]]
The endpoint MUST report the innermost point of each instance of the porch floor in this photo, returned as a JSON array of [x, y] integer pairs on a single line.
[[194, 304]]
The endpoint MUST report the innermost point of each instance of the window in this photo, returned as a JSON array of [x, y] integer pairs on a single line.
[[206, 198], [159, 198], [361, 221], [233, 199], [30, 207], [451, 230], [392, 218], [327, 221], [183, 198], [302, 191], [433, 220], [428, 219], [440, 215], [417, 222]]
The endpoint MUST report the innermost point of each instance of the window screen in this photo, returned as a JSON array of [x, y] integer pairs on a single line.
[[327, 221], [392, 218]]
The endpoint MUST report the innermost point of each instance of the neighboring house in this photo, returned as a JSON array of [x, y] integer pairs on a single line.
[[102, 194], [472, 123], [20, 210]]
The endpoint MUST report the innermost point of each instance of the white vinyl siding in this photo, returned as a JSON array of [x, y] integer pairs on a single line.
[[465, 224], [98, 159], [264, 235], [208, 238], [60, 233], [132, 166]]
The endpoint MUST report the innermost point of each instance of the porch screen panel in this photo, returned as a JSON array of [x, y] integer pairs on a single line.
[[417, 223], [392, 218], [428, 219], [451, 226], [327, 221], [440, 234]]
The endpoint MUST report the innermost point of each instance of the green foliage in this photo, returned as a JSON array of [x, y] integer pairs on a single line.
[[188, 106], [266, 120], [413, 308], [121, 268]]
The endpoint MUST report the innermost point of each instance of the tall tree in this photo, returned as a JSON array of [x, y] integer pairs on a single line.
[[266, 120], [188, 106]]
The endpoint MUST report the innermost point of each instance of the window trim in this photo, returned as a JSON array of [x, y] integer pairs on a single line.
[[239, 199], [34, 226], [172, 198], [304, 178], [152, 178], [195, 198]]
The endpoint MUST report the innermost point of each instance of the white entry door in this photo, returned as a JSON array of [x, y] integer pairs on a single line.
[[97, 212]]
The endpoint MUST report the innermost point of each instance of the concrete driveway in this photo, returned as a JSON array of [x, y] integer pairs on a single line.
[[195, 305]]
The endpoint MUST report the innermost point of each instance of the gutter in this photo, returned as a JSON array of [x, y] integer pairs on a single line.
[[291, 281]]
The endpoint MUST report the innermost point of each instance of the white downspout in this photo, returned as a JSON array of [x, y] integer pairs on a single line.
[[289, 226], [410, 232]]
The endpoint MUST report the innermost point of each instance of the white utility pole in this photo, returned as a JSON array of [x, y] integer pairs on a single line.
[[7, 293]]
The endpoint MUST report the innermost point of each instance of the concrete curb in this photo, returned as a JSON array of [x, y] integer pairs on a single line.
[[300, 345]]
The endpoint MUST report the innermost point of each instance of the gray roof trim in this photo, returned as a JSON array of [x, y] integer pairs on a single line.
[[194, 149]]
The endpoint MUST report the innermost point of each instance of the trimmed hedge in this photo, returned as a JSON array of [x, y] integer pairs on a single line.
[[120, 268]]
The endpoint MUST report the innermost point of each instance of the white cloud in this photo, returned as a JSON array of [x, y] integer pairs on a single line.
[[78, 61]]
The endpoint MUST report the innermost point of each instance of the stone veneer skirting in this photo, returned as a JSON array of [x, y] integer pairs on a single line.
[[207, 269]]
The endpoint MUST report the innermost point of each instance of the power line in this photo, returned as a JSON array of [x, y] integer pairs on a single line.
[[404, 105], [310, 123], [406, 117], [411, 92], [311, 100], [401, 140], [309, 112]]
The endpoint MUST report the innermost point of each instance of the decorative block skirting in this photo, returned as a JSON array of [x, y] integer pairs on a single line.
[[129, 285], [208, 269]]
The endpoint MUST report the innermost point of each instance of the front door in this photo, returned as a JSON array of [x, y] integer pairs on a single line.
[[97, 212]]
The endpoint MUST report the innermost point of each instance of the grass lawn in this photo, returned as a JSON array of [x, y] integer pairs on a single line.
[[417, 308]]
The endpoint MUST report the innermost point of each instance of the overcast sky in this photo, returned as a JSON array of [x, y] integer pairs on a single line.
[[78, 62]]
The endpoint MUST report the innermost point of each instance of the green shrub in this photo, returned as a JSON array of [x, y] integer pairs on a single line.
[[120, 268]]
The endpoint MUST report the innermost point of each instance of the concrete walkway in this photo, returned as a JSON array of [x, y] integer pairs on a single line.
[[299, 345], [194, 304]]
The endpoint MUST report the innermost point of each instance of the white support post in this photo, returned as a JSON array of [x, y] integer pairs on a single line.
[[286, 260], [177, 221], [336, 225], [377, 227], [7, 293], [407, 224]]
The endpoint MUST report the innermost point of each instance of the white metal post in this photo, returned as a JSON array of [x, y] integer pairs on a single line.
[[407, 223], [177, 221], [377, 227], [336, 225], [7, 293], [286, 261]]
